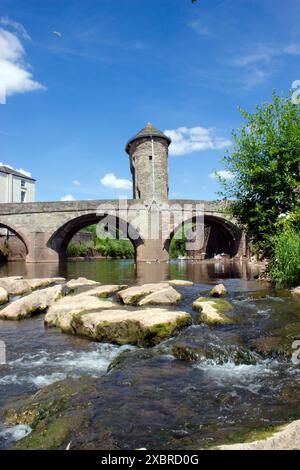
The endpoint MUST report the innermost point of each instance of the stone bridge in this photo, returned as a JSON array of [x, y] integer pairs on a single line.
[[46, 228], [150, 220]]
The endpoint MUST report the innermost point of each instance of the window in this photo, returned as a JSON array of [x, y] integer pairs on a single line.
[[150, 157], [23, 183], [23, 194]]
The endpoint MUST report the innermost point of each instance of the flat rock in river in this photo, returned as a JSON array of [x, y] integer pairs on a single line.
[[18, 286], [180, 283], [143, 327], [285, 438], [104, 291], [218, 291], [3, 296], [167, 296], [133, 295], [31, 304], [44, 282], [80, 283], [211, 311], [62, 312]]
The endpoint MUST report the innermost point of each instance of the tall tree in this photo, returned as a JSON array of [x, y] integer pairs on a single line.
[[265, 164]]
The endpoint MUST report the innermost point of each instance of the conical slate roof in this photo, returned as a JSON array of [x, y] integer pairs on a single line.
[[148, 131]]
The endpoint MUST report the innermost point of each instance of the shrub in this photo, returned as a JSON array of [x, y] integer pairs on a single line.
[[285, 264], [178, 244], [115, 248], [74, 250]]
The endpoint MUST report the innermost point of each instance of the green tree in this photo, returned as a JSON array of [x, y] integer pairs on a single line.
[[265, 164], [284, 266]]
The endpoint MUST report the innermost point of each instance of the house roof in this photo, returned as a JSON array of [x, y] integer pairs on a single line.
[[11, 171], [148, 131]]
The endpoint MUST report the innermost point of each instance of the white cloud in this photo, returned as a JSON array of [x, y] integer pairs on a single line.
[[200, 29], [188, 140], [18, 27], [111, 181], [261, 62], [76, 183], [263, 54], [68, 197], [224, 174], [15, 73]]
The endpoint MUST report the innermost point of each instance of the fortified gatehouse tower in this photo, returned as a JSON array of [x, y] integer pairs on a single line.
[[148, 152]]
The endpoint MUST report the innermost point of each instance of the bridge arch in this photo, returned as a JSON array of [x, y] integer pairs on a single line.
[[221, 236], [62, 236], [19, 247]]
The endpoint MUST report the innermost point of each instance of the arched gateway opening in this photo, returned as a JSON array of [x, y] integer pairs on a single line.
[[13, 246], [219, 237], [113, 226]]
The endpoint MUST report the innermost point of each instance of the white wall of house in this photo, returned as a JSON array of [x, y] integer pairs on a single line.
[[3, 187], [16, 188]]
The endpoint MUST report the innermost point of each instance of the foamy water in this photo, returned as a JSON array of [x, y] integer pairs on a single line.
[[30, 368], [236, 374], [14, 433]]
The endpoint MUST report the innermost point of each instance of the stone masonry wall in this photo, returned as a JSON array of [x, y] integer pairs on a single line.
[[143, 161]]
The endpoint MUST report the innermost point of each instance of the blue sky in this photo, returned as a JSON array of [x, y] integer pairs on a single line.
[[82, 77]]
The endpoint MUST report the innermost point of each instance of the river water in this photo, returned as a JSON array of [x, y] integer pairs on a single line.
[[184, 405]]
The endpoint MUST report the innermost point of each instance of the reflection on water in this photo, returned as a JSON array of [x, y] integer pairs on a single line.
[[128, 272]]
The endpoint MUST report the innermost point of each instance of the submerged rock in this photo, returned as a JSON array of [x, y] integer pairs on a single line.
[[200, 343], [133, 295], [32, 304], [283, 438], [18, 286], [218, 291], [211, 311], [54, 413], [270, 345], [278, 342], [180, 283], [166, 296], [150, 400], [3, 296]]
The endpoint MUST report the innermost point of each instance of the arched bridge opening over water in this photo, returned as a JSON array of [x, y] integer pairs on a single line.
[[46, 228]]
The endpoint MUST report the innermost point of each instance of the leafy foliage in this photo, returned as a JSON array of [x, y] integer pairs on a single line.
[[75, 250], [178, 244], [104, 246], [265, 162], [285, 264], [115, 248]]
